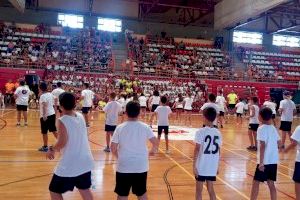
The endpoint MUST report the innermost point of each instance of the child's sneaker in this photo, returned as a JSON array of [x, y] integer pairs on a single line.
[[250, 148], [43, 149], [168, 151], [18, 124], [107, 149]]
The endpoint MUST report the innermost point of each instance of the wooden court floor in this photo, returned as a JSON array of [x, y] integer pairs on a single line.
[[25, 173]]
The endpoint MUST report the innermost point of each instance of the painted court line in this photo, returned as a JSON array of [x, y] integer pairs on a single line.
[[220, 179], [183, 169], [283, 166]]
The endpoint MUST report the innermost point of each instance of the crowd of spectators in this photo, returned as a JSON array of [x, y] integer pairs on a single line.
[[78, 50], [150, 54]]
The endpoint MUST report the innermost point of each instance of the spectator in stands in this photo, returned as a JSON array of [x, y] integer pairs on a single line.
[[10, 47], [181, 45]]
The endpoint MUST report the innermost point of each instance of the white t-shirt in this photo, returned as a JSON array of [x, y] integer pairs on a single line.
[[271, 105], [240, 107], [188, 102], [296, 137], [112, 111], [254, 119], [76, 157], [155, 100], [269, 135], [212, 105], [122, 102], [132, 137], [178, 104], [22, 93], [143, 101], [163, 113], [88, 96], [47, 98], [288, 107], [210, 140], [56, 92], [220, 101]]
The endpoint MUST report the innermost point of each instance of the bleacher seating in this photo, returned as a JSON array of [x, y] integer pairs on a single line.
[[164, 57], [78, 50], [281, 66]]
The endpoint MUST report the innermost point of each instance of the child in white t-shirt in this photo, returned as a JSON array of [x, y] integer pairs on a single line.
[[268, 142], [239, 111], [163, 112], [112, 110], [295, 138], [207, 153], [129, 145], [253, 123]]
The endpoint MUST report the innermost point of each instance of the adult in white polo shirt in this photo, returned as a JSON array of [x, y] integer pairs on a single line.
[[56, 92], [22, 97], [47, 114], [87, 96], [211, 103], [112, 111], [272, 105], [76, 160], [287, 109], [129, 145]]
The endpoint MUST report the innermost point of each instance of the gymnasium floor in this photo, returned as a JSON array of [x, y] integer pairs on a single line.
[[25, 173]]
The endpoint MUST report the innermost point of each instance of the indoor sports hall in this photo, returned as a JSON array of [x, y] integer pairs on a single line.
[[150, 99]]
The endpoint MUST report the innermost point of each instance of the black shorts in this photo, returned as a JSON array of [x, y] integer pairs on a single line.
[[48, 125], [273, 116], [221, 114], [21, 108], [126, 181], [239, 114], [270, 173], [163, 128], [154, 106], [109, 128], [188, 110], [205, 178], [296, 176], [253, 127], [61, 185], [231, 106], [285, 126], [85, 110]]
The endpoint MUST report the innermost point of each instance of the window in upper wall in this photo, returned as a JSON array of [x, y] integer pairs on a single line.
[[111, 25], [286, 40], [69, 20], [247, 37]]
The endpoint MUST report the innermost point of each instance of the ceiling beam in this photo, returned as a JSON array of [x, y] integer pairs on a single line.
[[203, 7], [249, 21], [285, 29]]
